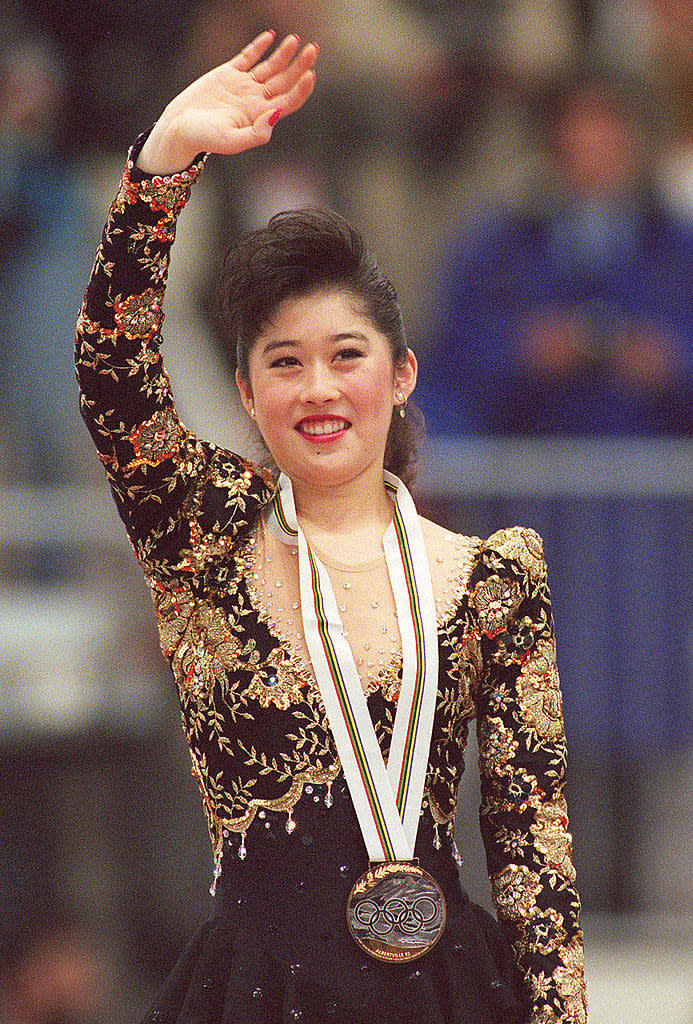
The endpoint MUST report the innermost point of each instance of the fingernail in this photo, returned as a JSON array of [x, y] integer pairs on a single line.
[[275, 117]]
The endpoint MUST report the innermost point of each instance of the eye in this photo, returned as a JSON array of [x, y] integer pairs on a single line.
[[349, 353], [284, 361]]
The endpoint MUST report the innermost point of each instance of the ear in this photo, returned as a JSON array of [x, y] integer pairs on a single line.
[[405, 374], [245, 393]]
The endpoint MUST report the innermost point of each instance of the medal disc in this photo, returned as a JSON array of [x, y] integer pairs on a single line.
[[396, 911]]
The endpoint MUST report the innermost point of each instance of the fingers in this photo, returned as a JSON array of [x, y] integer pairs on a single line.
[[258, 133], [288, 78], [294, 99], [278, 61], [253, 52]]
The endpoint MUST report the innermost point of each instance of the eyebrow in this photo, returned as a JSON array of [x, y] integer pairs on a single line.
[[334, 338]]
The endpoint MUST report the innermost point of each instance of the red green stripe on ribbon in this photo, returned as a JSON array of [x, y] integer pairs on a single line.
[[340, 689], [415, 714], [281, 518]]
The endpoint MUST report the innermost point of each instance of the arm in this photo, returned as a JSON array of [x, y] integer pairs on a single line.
[[522, 755], [156, 467]]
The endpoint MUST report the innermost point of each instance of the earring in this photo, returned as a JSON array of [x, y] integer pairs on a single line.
[[402, 399], [252, 412]]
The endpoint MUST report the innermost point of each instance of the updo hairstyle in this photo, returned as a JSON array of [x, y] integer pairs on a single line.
[[299, 253]]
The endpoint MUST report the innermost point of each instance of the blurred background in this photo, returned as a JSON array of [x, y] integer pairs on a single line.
[[524, 172]]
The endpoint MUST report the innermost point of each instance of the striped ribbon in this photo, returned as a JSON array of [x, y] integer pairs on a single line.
[[387, 799]]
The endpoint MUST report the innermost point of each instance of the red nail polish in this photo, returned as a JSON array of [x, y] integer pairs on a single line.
[[275, 117]]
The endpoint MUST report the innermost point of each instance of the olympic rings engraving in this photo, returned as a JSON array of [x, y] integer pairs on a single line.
[[409, 916]]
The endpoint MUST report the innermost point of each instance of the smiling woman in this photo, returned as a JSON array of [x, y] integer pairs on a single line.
[[314, 257], [323, 387], [330, 645]]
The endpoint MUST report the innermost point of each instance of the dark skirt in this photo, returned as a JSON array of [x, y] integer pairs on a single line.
[[278, 950]]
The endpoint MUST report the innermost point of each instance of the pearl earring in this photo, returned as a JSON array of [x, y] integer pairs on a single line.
[[402, 399]]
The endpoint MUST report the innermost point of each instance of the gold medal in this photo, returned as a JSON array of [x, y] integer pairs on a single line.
[[396, 911]]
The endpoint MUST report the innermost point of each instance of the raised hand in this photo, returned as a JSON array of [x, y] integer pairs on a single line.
[[234, 107]]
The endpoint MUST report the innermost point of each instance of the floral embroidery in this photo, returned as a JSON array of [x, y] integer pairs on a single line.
[[545, 932], [278, 684], [553, 841], [515, 891], [540, 700], [139, 316], [156, 439], [497, 742], [571, 989], [495, 599]]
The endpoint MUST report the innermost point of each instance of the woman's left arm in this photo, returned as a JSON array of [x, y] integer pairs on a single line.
[[522, 758]]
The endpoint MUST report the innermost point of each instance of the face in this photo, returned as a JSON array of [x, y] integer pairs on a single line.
[[322, 384], [598, 142]]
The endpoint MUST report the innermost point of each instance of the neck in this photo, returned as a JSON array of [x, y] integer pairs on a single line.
[[348, 508]]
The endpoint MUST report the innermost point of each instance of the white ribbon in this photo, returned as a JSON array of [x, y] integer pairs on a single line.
[[387, 800]]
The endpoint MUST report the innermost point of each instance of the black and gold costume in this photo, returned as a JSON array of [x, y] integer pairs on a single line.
[[279, 811]]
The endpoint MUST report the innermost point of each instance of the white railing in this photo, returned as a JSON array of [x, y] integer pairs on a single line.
[[450, 467]]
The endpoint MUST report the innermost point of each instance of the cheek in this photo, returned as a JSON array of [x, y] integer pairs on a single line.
[[374, 394], [271, 399]]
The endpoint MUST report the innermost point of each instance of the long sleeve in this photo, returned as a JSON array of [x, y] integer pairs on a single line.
[[182, 500], [522, 755]]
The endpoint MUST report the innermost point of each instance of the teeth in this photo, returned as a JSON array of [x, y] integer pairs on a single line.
[[325, 427]]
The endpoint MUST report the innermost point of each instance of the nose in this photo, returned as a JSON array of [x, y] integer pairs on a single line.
[[319, 384]]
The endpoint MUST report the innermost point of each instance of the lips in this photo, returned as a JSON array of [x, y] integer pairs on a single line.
[[322, 426]]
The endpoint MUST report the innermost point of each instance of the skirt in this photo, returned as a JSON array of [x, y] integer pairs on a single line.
[[278, 950]]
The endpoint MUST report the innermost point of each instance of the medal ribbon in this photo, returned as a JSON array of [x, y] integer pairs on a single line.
[[387, 800]]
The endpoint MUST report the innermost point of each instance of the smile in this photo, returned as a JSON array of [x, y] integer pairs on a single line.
[[322, 427]]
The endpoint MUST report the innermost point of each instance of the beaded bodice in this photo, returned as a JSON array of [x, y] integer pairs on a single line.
[[229, 627], [364, 595]]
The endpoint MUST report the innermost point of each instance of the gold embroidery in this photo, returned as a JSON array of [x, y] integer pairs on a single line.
[[497, 743], [544, 932], [540, 701], [157, 439], [571, 989], [495, 600], [515, 890], [202, 650], [283, 682], [523, 546], [553, 841], [139, 316]]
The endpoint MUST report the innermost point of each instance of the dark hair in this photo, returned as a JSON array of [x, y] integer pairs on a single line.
[[298, 253]]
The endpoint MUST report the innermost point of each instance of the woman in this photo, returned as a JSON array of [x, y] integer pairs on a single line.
[[330, 646]]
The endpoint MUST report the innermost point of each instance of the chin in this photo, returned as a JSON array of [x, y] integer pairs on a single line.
[[328, 475]]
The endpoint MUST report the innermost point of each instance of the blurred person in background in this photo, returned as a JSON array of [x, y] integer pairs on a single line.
[[51, 972], [673, 71], [656, 38], [573, 315], [44, 258]]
